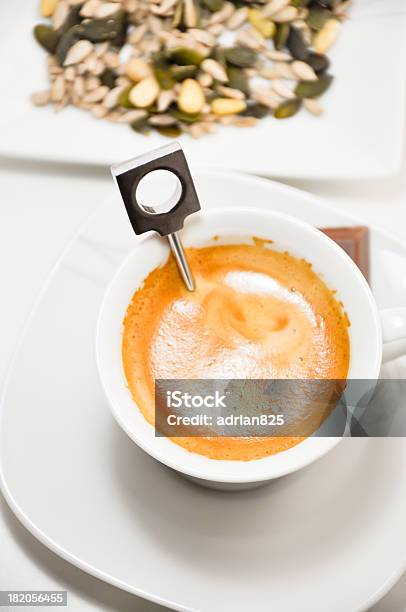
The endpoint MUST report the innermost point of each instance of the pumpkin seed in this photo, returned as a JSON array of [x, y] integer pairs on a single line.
[[318, 16], [214, 5], [287, 109], [257, 110], [185, 56], [180, 73], [144, 93], [140, 125], [67, 41], [297, 45], [108, 78], [111, 28], [320, 63], [237, 79], [227, 106], [265, 26], [183, 117], [47, 37], [170, 131], [281, 35], [313, 89], [124, 98], [191, 99], [240, 56]]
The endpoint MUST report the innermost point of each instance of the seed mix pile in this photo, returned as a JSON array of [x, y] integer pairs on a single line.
[[187, 65]]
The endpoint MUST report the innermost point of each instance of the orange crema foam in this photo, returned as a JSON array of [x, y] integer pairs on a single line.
[[256, 313]]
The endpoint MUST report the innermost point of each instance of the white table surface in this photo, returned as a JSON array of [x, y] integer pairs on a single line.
[[41, 205]]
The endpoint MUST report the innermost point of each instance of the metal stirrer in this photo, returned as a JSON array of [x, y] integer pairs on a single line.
[[184, 202]]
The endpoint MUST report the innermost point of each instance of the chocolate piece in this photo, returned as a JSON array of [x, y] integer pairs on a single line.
[[355, 242]]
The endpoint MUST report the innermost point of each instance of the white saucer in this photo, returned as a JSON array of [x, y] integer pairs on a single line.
[[328, 537]]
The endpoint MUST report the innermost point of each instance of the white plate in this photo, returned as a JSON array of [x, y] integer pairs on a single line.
[[330, 533], [360, 135]]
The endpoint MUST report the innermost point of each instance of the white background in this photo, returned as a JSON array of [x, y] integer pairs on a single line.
[[41, 205]]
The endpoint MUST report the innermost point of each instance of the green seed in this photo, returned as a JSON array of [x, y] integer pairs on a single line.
[[313, 89], [287, 109], [71, 20], [237, 79], [240, 56], [320, 63], [141, 126], [181, 116], [186, 57], [213, 5], [318, 17], [67, 41], [297, 45], [112, 28], [257, 110], [281, 35], [108, 78], [170, 131], [124, 99], [47, 37], [179, 73]]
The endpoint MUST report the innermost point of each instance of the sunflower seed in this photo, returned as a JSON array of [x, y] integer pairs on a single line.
[[273, 7], [58, 89], [229, 92], [99, 111], [266, 97], [287, 14], [60, 15], [162, 120], [133, 115], [215, 70], [282, 90], [111, 99], [41, 98], [237, 19], [106, 10], [89, 8], [223, 15], [303, 71], [78, 52], [97, 94], [165, 99], [313, 106]]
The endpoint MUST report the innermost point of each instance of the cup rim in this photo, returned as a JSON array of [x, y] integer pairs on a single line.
[[314, 447]]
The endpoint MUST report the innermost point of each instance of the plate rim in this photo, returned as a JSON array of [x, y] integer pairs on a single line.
[[21, 515]]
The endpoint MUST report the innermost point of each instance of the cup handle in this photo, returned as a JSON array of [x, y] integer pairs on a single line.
[[393, 321]]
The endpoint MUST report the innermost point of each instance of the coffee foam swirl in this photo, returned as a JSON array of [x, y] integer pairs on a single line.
[[256, 313]]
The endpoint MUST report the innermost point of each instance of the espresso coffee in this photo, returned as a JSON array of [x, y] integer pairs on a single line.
[[256, 313]]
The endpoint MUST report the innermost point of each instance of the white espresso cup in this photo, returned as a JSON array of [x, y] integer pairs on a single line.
[[370, 332]]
